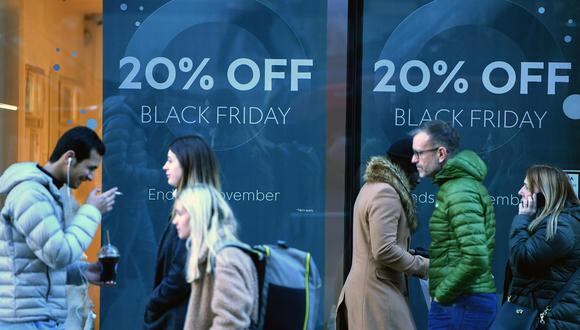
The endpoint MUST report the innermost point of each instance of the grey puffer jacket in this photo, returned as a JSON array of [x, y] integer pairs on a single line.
[[37, 251]]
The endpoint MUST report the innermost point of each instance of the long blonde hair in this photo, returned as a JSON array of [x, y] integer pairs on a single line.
[[554, 184], [211, 222]]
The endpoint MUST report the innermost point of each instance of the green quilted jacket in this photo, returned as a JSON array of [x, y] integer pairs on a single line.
[[462, 231]]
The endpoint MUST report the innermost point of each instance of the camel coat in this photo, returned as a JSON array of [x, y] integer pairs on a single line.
[[226, 298], [374, 294]]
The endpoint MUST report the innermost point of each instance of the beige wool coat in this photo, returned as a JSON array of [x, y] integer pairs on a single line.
[[226, 298], [374, 294]]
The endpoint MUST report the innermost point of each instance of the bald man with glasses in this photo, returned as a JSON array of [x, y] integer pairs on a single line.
[[462, 230]]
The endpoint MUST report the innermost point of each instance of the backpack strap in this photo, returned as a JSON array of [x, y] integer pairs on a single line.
[[237, 244], [258, 255]]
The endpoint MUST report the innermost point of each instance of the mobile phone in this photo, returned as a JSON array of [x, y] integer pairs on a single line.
[[540, 201]]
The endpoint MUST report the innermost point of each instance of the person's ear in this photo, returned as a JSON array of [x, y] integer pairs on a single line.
[[70, 158], [442, 154]]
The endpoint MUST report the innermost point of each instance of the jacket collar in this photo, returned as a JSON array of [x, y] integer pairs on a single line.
[[380, 169], [55, 181], [465, 164]]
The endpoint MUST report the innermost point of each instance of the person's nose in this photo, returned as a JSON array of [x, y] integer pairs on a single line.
[[415, 159]]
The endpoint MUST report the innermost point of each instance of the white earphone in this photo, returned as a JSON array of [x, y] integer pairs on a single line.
[[68, 164]]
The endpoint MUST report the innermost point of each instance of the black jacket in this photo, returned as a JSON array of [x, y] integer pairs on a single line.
[[168, 302], [541, 268]]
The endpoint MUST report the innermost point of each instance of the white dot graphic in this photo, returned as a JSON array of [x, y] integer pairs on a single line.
[[571, 106]]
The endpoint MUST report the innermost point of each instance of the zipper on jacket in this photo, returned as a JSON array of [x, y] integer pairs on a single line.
[[49, 283]]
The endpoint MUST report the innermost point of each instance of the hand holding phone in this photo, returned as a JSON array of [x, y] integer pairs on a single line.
[[528, 205]]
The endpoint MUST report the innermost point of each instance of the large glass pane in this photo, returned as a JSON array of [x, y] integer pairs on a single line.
[[276, 120], [504, 73], [251, 77]]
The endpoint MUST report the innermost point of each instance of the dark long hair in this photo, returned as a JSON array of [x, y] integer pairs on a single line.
[[197, 160]]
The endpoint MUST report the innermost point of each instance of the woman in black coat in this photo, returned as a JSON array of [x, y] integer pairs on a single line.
[[190, 160], [544, 247]]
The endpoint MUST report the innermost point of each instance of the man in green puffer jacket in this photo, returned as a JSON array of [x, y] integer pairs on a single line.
[[462, 231]]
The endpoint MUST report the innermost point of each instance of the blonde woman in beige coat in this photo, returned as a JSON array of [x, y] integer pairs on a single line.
[[374, 294], [224, 294]]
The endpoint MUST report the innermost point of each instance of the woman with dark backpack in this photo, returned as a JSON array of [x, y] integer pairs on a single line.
[[224, 280], [544, 254]]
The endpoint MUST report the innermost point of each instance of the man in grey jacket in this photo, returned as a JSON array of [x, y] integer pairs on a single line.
[[42, 238]]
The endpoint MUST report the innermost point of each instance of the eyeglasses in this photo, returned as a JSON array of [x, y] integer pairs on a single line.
[[418, 153]]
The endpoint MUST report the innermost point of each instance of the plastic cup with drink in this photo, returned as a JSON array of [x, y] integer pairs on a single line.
[[108, 258]]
